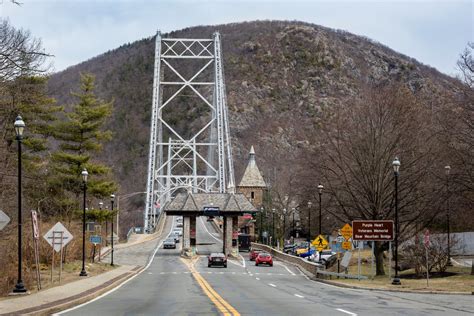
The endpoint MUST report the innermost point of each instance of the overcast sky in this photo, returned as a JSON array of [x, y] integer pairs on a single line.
[[432, 31]]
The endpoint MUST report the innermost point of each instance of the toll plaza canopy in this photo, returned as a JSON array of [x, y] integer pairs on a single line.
[[227, 204]]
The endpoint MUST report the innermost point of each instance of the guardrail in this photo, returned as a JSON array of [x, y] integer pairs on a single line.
[[341, 275], [130, 231]]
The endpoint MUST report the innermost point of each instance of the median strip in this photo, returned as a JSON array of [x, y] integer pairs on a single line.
[[222, 305]]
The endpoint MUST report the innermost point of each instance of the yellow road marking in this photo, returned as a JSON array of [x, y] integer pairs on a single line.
[[223, 306]]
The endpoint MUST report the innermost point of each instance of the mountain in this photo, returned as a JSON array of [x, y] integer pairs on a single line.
[[279, 75]]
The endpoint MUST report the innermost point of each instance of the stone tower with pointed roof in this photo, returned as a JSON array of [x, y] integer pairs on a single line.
[[253, 187], [252, 184]]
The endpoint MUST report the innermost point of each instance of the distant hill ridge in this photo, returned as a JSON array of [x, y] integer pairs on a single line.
[[278, 76]]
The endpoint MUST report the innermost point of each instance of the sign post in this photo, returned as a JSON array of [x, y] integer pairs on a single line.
[[36, 234], [58, 237]]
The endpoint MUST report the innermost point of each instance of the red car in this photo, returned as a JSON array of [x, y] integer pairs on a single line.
[[264, 257], [253, 254]]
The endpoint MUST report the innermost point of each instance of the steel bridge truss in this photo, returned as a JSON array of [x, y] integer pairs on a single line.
[[187, 68]]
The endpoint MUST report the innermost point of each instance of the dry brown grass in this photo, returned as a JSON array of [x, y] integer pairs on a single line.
[[9, 255], [460, 281]]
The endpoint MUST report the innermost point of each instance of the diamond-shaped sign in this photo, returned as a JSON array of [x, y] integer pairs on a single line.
[[4, 220], [58, 236], [320, 243], [346, 231]]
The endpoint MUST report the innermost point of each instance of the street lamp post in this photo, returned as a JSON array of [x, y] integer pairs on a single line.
[[19, 127], [396, 168], [309, 220], [84, 182], [112, 200], [273, 226], [293, 222], [261, 225], [320, 192], [447, 169], [284, 225]]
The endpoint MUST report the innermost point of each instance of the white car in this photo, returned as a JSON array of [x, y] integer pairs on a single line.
[[178, 232], [325, 255]]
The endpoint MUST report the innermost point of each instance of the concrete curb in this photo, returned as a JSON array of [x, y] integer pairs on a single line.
[[68, 302]]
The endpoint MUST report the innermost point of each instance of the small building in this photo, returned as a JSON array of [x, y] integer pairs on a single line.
[[253, 187]]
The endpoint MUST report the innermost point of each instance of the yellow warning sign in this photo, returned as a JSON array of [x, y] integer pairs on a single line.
[[347, 245], [346, 231], [320, 243]]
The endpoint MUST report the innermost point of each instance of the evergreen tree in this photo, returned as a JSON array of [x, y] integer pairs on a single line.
[[81, 136], [27, 96]]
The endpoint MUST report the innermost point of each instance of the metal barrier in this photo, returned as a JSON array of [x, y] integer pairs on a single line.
[[130, 231]]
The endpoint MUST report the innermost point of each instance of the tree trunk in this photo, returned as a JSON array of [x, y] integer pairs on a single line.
[[379, 258]]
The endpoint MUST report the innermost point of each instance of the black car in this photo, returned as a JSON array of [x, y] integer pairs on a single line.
[[217, 259], [169, 244]]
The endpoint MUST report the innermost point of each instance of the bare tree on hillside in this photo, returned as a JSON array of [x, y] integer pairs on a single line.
[[355, 149], [20, 53]]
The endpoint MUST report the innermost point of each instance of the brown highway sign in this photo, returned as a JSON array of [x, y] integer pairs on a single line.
[[372, 230]]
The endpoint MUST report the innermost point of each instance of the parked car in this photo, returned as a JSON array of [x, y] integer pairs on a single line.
[[325, 255], [169, 244], [308, 253], [217, 259], [178, 231], [289, 249], [254, 253], [264, 258]]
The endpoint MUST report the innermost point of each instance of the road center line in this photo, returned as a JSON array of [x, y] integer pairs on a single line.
[[221, 304], [344, 311]]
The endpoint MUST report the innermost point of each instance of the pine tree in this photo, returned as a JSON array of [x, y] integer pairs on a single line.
[[81, 136], [27, 96]]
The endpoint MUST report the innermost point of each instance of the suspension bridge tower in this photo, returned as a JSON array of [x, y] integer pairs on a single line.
[[190, 145]]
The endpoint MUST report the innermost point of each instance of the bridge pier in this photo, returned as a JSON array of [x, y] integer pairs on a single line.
[[187, 248], [231, 235]]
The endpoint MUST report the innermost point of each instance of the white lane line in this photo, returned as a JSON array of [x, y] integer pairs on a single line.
[[150, 273], [202, 222], [243, 260], [300, 296], [301, 272], [271, 284], [287, 269], [126, 281], [257, 279], [344, 311]]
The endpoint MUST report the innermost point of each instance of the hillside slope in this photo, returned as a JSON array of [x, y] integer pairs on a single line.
[[278, 76]]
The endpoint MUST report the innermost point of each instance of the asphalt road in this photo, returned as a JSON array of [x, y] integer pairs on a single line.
[[173, 286]]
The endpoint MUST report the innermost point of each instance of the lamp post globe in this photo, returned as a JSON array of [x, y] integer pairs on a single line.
[[84, 175], [396, 168], [112, 200], [447, 170], [19, 128]]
